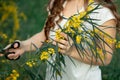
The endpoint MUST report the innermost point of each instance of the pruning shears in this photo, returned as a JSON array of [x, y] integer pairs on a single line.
[[14, 45]]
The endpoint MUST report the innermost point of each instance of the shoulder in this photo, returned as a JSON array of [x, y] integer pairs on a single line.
[[101, 9], [102, 14]]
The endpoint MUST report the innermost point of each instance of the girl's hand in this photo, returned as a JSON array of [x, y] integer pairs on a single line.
[[64, 44], [14, 50], [17, 53]]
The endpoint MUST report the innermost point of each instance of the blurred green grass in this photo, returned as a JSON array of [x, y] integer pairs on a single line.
[[36, 16]]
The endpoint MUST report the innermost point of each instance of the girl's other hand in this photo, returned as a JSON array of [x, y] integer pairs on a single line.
[[64, 44]]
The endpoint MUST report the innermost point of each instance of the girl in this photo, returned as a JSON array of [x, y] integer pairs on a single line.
[[81, 69]]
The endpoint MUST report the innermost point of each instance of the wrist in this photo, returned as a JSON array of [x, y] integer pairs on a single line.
[[23, 46], [71, 51]]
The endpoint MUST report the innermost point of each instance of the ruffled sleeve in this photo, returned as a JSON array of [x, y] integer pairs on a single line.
[[102, 15]]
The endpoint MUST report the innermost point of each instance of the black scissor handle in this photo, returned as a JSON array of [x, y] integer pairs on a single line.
[[14, 45], [6, 56]]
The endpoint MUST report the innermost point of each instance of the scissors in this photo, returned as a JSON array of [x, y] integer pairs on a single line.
[[14, 45]]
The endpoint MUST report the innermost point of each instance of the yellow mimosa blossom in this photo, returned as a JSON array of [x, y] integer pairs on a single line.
[[13, 76], [15, 73], [118, 44], [58, 35], [4, 17], [78, 39], [10, 9], [82, 14], [8, 78], [91, 32], [100, 33], [11, 40], [68, 28], [4, 36], [110, 40], [23, 16], [30, 63], [44, 55], [100, 53], [58, 49], [89, 8], [91, 1], [51, 50], [3, 61]]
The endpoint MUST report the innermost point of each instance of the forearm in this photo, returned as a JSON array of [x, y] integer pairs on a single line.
[[88, 58], [37, 40]]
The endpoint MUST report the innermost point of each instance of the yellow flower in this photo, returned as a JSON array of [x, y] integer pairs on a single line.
[[51, 50], [30, 63], [118, 44], [13, 76], [3, 61], [68, 29], [23, 16], [4, 17], [17, 75], [11, 40], [8, 10], [91, 32], [100, 53], [110, 40], [82, 14], [8, 78], [4, 36], [100, 33], [78, 39], [44, 55], [91, 1], [58, 35], [14, 71], [89, 8]]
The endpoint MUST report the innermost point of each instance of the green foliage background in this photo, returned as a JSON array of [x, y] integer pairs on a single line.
[[35, 11]]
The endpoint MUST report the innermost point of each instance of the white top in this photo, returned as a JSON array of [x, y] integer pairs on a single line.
[[82, 71]]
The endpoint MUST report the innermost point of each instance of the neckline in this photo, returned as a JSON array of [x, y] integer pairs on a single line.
[[65, 17]]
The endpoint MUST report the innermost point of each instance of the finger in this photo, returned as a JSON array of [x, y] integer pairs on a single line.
[[67, 38], [13, 56], [60, 45], [65, 35], [64, 42], [15, 45], [54, 42], [7, 47], [62, 51]]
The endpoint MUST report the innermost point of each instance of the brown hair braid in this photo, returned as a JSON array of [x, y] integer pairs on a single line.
[[56, 6]]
